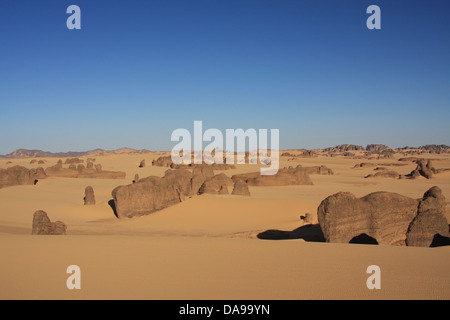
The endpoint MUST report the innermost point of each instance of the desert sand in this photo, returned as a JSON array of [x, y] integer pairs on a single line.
[[207, 247]]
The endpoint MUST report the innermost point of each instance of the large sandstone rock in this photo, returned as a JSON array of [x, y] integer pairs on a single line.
[[216, 185], [19, 175], [241, 189], [89, 196], [165, 161], [284, 177], [424, 168], [386, 217], [430, 220], [152, 193], [43, 226]]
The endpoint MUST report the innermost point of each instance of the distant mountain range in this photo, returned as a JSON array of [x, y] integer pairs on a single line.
[[376, 148], [24, 153]]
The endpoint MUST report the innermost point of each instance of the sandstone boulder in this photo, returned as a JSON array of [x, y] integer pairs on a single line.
[[424, 168], [19, 175], [387, 218], [215, 184], [142, 164], [430, 220], [43, 226], [89, 196], [152, 193], [241, 189]]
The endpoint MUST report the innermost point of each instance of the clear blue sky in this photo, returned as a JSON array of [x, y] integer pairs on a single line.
[[137, 70]]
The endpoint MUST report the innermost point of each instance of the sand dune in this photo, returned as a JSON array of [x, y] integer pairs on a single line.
[[207, 246]]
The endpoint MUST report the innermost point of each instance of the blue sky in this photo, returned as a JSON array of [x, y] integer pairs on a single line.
[[137, 70]]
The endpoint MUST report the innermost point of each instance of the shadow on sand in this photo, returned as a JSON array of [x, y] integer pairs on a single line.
[[311, 233], [113, 207]]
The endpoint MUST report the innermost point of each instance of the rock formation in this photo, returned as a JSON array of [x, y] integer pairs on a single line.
[[81, 172], [165, 161], [19, 175], [216, 185], [284, 177], [384, 173], [241, 189], [430, 220], [424, 168], [322, 170], [152, 193], [136, 178], [43, 226], [73, 161], [389, 218], [142, 164], [89, 197]]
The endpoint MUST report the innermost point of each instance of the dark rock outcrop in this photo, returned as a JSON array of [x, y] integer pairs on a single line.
[[43, 226]]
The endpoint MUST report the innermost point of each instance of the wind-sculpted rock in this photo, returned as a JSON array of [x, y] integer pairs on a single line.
[[284, 177], [89, 196], [152, 193], [322, 170], [424, 168], [142, 164], [383, 173], [241, 189], [43, 226], [165, 161], [216, 185], [19, 175], [387, 218], [430, 220]]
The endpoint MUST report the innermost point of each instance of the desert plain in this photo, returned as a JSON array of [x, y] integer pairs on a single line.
[[209, 246]]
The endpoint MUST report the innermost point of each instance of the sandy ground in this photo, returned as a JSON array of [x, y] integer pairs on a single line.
[[206, 247]]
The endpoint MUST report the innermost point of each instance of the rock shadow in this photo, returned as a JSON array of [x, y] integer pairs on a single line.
[[310, 233], [112, 204], [364, 239]]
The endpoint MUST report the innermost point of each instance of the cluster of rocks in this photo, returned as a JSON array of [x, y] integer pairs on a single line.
[[166, 161], [322, 170], [150, 194], [43, 226], [80, 171], [386, 218], [19, 175]]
